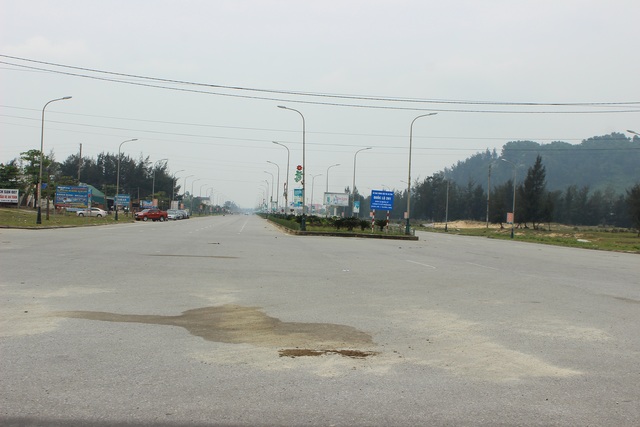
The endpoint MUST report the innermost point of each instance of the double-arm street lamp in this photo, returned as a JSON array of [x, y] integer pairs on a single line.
[[408, 228], [286, 184], [118, 175], [353, 188], [303, 225], [39, 216]]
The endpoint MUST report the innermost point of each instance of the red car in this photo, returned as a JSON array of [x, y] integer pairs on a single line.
[[151, 214]]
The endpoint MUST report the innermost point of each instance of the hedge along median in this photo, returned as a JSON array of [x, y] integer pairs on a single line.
[[290, 224]]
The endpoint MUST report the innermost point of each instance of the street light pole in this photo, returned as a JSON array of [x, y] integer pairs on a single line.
[[277, 187], [303, 225], [193, 182], [513, 209], [267, 197], [39, 216], [286, 185], [115, 202], [408, 228], [313, 179], [332, 166], [353, 187], [173, 183], [272, 188], [153, 186]]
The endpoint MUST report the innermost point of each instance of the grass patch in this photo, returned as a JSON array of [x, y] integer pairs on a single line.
[[599, 238], [26, 218]]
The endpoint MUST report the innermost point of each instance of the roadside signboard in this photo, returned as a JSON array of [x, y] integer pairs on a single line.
[[8, 196], [356, 206], [336, 199], [146, 204], [381, 200], [123, 200], [297, 197], [73, 197]]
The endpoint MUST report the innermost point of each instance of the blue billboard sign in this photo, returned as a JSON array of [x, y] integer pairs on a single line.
[[382, 200], [123, 200], [297, 197], [73, 197]]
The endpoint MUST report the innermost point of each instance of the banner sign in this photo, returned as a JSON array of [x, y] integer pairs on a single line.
[[382, 200], [297, 197], [336, 199], [356, 206], [73, 197], [123, 200], [8, 196], [146, 204]]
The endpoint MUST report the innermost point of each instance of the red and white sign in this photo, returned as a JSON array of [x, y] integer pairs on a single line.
[[8, 196]]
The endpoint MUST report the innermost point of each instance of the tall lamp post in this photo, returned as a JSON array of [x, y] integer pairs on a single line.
[[332, 166], [313, 180], [39, 216], [193, 182], [277, 187], [327, 188], [353, 188], [286, 184], [153, 186], [173, 183], [408, 228], [513, 208], [118, 175], [267, 197], [303, 225], [272, 188]]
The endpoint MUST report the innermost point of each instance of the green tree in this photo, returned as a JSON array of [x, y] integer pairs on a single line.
[[10, 175], [633, 203], [533, 194]]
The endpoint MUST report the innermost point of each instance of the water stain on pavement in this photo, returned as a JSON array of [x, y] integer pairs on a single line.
[[234, 324]]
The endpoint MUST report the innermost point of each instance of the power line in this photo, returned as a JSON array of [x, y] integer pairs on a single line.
[[617, 105]]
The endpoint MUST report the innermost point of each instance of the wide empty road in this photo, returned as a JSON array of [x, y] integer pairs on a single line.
[[228, 321]]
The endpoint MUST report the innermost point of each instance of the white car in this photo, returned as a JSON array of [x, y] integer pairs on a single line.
[[94, 212]]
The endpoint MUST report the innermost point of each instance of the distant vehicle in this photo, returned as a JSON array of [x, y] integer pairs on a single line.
[[174, 214], [151, 214], [94, 212]]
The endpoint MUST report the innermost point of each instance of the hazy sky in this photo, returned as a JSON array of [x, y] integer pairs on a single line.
[[492, 53]]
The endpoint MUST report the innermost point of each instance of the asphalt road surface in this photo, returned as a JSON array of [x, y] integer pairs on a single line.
[[228, 321]]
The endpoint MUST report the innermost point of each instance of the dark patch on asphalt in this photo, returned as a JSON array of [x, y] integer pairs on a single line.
[[196, 256], [234, 324], [300, 352]]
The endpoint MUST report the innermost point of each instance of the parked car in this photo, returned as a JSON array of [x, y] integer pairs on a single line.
[[185, 214], [174, 214], [94, 212], [151, 214]]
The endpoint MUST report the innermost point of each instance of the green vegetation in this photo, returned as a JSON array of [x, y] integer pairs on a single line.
[[600, 238], [26, 218]]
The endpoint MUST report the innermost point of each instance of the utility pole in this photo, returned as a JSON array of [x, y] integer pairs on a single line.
[[79, 163]]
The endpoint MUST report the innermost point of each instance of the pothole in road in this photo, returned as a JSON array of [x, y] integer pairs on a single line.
[[236, 324]]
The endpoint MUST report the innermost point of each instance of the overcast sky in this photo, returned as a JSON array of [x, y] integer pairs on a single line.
[[492, 52]]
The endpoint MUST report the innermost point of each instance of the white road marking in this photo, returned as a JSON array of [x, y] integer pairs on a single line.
[[483, 266], [419, 263]]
